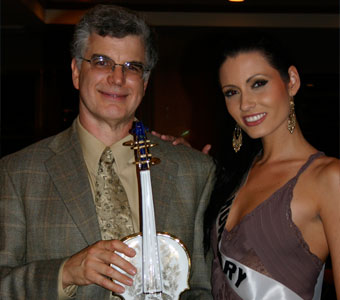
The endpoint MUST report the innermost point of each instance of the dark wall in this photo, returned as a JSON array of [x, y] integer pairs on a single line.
[[187, 95], [38, 98]]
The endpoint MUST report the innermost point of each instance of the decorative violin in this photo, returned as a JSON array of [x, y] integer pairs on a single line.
[[162, 261]]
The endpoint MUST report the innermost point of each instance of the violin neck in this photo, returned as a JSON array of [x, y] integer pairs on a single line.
[[152, 278]]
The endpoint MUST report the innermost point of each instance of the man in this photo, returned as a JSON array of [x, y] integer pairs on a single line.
[[56, 239], [53, 239]]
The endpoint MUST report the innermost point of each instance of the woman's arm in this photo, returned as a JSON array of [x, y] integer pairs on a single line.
[[329, 183]]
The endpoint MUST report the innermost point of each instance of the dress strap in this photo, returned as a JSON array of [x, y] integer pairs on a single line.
[[308, 162]]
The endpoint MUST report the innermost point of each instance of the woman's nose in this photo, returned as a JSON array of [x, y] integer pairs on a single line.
[[247, 102]]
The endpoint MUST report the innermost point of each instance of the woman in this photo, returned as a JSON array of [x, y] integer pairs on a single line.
[[272, 234]]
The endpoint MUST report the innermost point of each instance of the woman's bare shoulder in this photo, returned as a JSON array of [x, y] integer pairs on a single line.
[[325, 178], [327, 170]]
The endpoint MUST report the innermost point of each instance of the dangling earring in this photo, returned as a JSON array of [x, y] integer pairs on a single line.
[[291, 116], [237, 138]]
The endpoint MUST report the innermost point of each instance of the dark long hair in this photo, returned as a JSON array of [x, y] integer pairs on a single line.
[[230, 171]]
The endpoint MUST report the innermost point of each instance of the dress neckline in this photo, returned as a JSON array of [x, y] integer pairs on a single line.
[[259, 206]]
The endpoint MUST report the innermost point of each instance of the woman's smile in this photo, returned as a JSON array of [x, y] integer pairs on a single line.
[[255, 119]]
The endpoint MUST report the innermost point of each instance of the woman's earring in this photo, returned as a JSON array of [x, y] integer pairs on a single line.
[[237, 138], [291, 116]]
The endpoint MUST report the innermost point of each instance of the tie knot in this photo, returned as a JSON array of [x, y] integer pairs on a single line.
[[107, 156]]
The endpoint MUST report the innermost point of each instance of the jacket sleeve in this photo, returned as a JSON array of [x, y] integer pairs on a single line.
[[200, 285], [18, 278]]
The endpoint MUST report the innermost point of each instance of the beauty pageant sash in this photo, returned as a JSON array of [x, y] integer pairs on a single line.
[[252, 285]]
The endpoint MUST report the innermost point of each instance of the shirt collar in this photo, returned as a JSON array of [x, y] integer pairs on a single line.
[[93, 148]]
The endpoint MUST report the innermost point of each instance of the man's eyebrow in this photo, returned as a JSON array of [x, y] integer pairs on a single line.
[[100, 55], [136, 62]]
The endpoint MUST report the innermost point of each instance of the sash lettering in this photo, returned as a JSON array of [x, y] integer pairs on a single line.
[[230, 269], [252, 285]]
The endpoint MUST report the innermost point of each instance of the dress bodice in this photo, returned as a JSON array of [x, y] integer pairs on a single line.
[[268, 241]]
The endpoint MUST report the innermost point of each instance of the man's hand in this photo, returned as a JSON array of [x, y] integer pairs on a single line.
[[92, 266], [179, 140]]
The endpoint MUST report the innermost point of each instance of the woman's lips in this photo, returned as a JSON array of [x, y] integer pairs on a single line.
[[254, 119]]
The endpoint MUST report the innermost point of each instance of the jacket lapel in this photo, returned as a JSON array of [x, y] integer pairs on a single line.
[[69, 174], [162, 176]]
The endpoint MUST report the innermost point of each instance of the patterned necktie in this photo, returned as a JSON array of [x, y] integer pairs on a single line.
[[113, 210]]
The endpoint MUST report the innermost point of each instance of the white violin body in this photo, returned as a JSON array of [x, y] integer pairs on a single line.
[[174, 269]]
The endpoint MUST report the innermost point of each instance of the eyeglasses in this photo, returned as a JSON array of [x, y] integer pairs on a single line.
[[105, 64]]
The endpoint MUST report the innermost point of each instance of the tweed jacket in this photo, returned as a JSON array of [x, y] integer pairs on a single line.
[[47, 213]]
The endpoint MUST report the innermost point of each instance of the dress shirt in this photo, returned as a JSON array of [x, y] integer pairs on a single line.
[[124, 167]]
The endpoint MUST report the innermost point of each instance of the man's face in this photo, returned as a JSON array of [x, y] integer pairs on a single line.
[[109, 97]]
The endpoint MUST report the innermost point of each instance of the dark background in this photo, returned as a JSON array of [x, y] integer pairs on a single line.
[[38, 98]]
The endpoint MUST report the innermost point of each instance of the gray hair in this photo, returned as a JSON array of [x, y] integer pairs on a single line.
[[113, 21]]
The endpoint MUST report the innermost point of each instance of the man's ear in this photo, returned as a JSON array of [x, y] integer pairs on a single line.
[[75, 73], [294, 81]]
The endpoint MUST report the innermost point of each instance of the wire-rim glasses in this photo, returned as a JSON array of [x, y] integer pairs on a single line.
[[105, 64]]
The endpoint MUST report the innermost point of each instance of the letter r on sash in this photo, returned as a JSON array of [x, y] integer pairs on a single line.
[[230, 268]]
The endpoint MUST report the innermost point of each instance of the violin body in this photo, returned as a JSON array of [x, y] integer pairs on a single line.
[[173, 263]]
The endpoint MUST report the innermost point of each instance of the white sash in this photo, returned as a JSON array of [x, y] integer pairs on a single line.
[[252, 285]]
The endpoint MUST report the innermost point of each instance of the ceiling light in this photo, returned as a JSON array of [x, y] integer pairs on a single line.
[[236, 0]]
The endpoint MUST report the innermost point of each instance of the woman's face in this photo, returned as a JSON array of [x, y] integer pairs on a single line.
[[255, 94]]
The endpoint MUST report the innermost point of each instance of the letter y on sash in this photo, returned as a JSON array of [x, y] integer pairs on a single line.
[[241, 276]]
